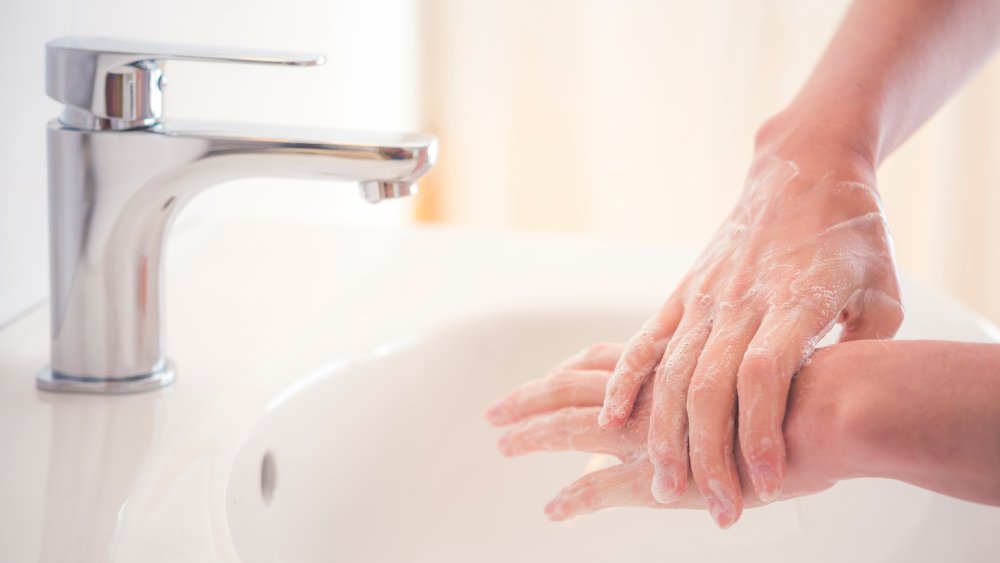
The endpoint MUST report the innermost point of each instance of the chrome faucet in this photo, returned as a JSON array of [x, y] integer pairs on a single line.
[[118, 175]]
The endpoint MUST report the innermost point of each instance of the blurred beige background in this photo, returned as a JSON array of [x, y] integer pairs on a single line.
[[634, 120], [629, 119]]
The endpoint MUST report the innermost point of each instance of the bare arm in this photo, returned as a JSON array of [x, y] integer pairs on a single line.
[[924, 412], [890, 66], [806, 246]]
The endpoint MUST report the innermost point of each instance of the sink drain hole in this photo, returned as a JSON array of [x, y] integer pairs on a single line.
[[268, 477]]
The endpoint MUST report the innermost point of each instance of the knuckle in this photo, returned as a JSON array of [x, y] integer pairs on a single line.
[[705, 285], [704, 466], [662, 376], [624, 386], [900, 315], [663, 453], [628, 370], [679, 356], [895, 315], [701, 449], [647, 336], [757, 446], [758, 365], [620, 386], [759, 381], [708, 450], [587, 495], [740, 288], [701, 393], [671, 385]]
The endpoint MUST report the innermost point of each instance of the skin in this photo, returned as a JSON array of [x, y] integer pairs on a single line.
[[924, 412], [807, 246]]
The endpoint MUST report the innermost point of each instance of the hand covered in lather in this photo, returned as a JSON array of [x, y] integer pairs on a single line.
[[560, 412], [805, 248]]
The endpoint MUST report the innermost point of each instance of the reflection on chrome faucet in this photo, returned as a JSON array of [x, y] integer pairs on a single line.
[[118, 174]]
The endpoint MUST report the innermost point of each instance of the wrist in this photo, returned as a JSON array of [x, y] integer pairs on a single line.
[[828, 411], [821, 141], [862, 373]]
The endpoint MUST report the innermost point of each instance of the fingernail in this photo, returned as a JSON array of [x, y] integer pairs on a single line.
[[665, 486], [504, 444], [765, 480], [555, 511], [612, 414], [722, 511], [497, 413], [603, 419]]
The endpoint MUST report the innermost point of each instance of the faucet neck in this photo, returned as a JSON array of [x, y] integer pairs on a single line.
[[112, 198]]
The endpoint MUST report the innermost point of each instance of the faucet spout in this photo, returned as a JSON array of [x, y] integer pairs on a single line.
[[228, 151], [119, 173], [113, 195], [375, 191]]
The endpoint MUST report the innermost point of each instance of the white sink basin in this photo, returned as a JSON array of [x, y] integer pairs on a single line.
[[358, 364]]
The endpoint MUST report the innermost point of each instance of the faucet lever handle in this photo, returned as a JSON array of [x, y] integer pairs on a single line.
[[117, 84]]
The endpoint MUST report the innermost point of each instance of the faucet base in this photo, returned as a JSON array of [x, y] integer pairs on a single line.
[[47, 380]]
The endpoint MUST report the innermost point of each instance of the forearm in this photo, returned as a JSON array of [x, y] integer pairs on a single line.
[[890, 66], [924, 412]]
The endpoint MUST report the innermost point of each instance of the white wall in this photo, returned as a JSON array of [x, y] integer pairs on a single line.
[[369, 82], [24, 109]]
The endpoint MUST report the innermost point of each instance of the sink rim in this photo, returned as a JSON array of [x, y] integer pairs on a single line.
[[529, 271]]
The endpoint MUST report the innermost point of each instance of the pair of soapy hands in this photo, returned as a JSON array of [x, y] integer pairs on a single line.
[[701, 390]]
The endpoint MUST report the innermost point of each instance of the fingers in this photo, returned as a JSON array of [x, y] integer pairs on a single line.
[[872, 314], [579, 381], [711, 408], [775, 354], [626, 484], [567, 429], [601, 356], [562, 389], [641, 355], [668, 420]]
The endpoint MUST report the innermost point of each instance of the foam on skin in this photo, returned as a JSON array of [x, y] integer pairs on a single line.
[[799, 253]]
